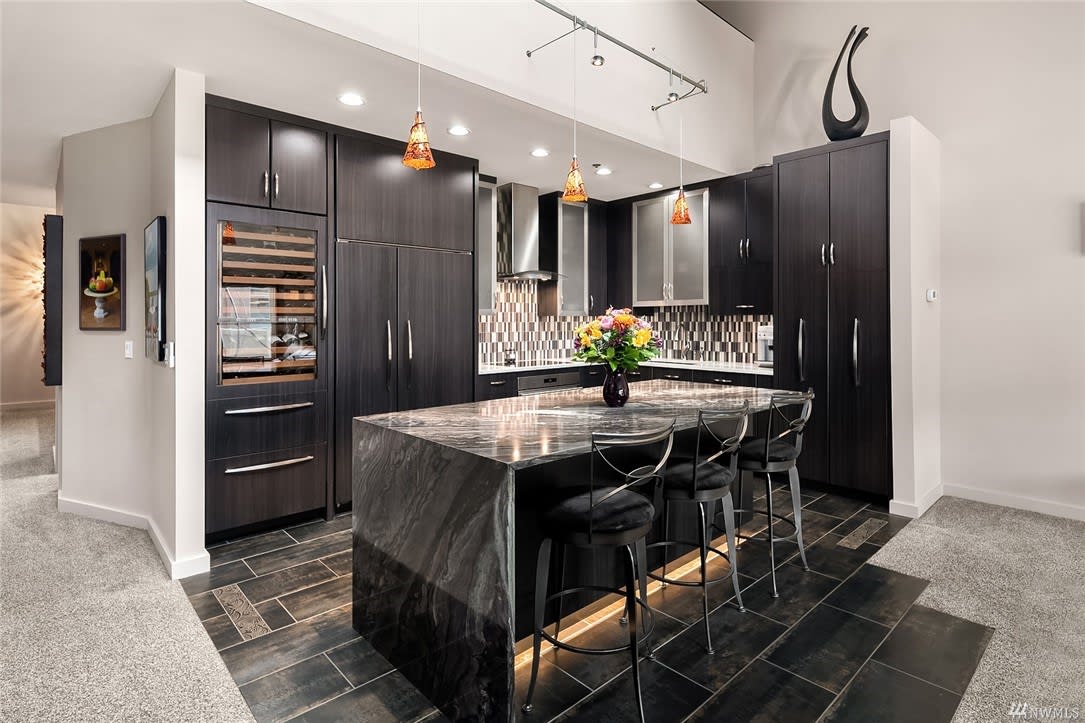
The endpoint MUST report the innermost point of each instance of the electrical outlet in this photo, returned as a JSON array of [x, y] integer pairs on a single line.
[[128, 349], [932, 295]]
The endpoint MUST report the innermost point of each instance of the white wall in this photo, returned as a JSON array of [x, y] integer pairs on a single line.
[[1003, 87], [21, 267]]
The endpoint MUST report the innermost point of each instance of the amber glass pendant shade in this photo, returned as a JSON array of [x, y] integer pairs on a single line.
[[418, 155], [574, 185], [681, 209]]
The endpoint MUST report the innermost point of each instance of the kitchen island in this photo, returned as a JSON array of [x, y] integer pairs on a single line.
[[444, 502]]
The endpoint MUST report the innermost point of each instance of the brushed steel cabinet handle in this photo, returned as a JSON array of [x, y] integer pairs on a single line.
[[501, 383], [265, 183], [591, 302], [323, 299], [723, 381], [801, 344], [269, 465], [832, 254], [747, 249], [672, 376], [410, 342], [740, 248], [388, 332], [266, 410], [276, 185], [823, 254], [855, 351]]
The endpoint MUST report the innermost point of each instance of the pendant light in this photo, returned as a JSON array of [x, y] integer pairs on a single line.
[[574, 182], [418, 155], [681, 206]]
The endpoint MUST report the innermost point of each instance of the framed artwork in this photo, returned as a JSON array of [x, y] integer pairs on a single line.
[[102, 283], [154, 289]]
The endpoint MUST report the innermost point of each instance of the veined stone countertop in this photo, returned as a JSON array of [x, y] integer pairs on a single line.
[[527, 431], [711, 366]]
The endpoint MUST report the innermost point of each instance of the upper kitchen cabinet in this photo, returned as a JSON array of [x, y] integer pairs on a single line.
[[598, 292], [563, 234], [254, 161], [741, 241], [670, 261], [379, 200], [486, 247]]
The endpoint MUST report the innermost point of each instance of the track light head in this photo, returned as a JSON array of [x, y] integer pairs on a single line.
[[597, 60], [672, 96]]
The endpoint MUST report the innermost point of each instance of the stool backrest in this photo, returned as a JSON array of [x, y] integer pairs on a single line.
[[719, 435], [788, 413], [608, 447]]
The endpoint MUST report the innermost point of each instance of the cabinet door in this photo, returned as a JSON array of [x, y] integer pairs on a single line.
[[573, 259], [441, 204], [437, 346], [649, 252], [486, 248], [801, 316], [299, 168], [373, 191], [689, 253], [238, 152], [367, 344], [597, 258], [727, 238], [757, 273]]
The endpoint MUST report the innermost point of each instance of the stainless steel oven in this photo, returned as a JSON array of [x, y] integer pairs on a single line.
[[529, 384]]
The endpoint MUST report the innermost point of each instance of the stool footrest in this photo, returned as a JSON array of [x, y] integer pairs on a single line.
[[599, 651], [688, 583]]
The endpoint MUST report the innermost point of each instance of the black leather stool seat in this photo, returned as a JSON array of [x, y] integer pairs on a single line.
[[623, 512], [779, 450], [710, 477]]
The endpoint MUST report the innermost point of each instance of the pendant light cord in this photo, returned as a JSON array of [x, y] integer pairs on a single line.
[[681, 151], [575, 25], [419, 56]]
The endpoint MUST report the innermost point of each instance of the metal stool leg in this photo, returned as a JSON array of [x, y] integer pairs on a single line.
[[796, 505], [732, 548], [561, 586], [772, 538], [704, 586], [542, 577], [631, 610], [666, 536], [642, 579]]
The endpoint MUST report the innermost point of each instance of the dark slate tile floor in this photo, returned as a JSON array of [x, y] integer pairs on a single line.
[[842, 642]]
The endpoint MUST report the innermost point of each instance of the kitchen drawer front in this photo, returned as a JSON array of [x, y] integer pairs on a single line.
[[494, 386], [253, 424], [259, 487], [738, 380], [594, 375], [674, 375], [642, 374]]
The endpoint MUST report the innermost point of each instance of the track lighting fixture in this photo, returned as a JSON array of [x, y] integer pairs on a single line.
[[597, 59]]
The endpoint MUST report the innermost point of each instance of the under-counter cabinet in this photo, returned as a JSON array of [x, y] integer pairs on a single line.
[[405, 337], [670, 261], [267, 335], [255, 161], [741, 244], [832, 307]]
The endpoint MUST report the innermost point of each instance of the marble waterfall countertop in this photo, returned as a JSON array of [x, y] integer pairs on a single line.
[[711, 366], [526, 431]]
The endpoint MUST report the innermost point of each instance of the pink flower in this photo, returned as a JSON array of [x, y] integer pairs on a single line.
[[606, 322]]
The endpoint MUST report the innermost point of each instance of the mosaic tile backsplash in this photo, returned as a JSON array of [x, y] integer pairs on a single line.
[[516, 325]]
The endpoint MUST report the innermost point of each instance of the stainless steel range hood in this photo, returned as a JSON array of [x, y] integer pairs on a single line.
[[518, 234]]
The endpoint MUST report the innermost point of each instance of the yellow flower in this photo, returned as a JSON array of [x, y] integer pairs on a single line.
[[642, 337], [585, 340], [595, 331]]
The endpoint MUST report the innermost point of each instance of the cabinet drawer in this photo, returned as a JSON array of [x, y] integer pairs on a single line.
[[258, 487], [254, 424], [738, 380], [594, 375], [642, 374], [495, 386], [674, 375]]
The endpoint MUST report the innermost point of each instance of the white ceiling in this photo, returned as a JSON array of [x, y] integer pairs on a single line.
[[72, 67]]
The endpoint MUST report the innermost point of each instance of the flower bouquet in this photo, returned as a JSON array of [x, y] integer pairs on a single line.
[[621, 341]]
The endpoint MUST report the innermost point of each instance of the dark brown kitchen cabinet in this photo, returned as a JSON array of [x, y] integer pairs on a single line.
[[379, 200], [495, 386], [598, 300], [669, 373], [405, 335], [832, 307], [254, 161], [741, 244], [705, 376]]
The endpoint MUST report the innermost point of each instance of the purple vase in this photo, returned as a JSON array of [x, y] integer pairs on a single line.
[[615, 389]]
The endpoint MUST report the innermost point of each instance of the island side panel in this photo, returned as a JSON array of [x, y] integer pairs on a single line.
[[432, 568]]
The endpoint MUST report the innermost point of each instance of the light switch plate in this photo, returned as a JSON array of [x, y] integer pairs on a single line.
[[128, 349], [932, 295]]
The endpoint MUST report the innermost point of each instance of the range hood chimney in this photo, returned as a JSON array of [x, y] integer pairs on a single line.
[[518, 234]]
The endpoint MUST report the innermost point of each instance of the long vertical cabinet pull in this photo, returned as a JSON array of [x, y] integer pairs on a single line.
[[265, 183], [740, 248], [747, 250], [832, 254], [323, 300], [410, 354], [823, 254], [800, 345], [388, 332], [276, 185], [855, 351]]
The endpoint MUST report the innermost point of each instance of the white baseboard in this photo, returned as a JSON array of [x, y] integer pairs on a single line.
[[1020, 502], [177, 569], [908, 509], [19, 406]]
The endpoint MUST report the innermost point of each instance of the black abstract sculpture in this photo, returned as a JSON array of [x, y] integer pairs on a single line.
[[836, 129]]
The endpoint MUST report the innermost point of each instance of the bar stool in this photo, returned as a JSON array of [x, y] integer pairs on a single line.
[[605, 516], [706, 479], [775, 454]]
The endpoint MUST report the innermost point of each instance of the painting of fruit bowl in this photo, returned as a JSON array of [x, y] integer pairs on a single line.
[[101, 270]]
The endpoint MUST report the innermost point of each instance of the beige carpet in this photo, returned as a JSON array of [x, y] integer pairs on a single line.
[[1021, 573], [92, 628]]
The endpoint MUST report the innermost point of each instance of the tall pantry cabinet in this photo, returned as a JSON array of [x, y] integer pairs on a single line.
[[832, 306]]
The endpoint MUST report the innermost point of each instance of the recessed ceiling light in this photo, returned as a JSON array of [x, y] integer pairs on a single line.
[[351, 98], [601, 170], [540, 153], [655, 184], [459, 130]]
